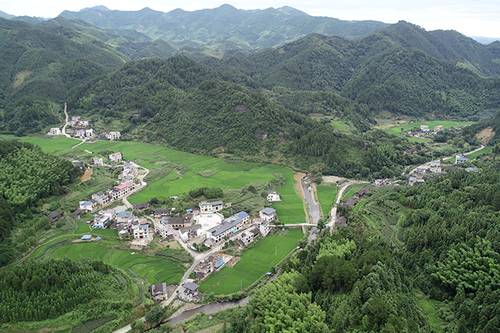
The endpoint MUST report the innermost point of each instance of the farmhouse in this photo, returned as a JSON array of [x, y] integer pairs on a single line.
[[102, 221], [460, 159], [273, 196], [359, 193], [424, 128], [190, 292], [341, 222], [161, 212], [140, 230], [438, 128], [80, 133], [114, 135], [101, 198], [89, 132], [158, 291], [351, 202], [471, 169], [88, 205], [141, 206], [97, 161], [208, 207], [176, 222], [268, 214], [115, 157], [54, 131], [122, 189], [263, 226], [248, 236], [190, 232], [53, 216]]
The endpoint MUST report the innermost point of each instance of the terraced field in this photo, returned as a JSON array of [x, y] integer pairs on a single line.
[[155, 269]]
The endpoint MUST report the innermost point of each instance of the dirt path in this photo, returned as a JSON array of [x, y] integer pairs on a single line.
[[297, 177]]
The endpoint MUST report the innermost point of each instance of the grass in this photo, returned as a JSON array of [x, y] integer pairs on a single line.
[[326, 196], [154, 268], [484, 151], [253, 264], [352, 189], [429, 307]]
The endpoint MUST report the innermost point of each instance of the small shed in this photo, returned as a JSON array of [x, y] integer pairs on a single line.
[[86, 237]]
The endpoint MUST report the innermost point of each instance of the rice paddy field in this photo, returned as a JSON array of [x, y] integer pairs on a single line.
[[155, 269], [254, 263]]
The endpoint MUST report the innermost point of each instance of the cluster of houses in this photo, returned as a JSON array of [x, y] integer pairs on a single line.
[[424, 130], [213, 263]]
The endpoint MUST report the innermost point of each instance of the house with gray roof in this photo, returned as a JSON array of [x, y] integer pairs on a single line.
[[268, 214]]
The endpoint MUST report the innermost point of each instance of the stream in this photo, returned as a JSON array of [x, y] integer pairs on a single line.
[[209, 309], [313, 205]]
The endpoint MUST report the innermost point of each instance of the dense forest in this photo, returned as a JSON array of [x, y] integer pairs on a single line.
[[27, 177], [46, 289]]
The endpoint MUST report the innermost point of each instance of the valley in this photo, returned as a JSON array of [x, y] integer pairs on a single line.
[[332, 176]]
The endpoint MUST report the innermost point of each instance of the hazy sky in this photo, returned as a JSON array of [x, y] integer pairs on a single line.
[[472, 18]]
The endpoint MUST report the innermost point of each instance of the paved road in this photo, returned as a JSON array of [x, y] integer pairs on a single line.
[[428, 164], [66, 122]]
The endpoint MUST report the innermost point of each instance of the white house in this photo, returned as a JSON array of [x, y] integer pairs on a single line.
[[273, 196], [248, 236], [436, 169], [80, 133], [268, 214], [424, 128], [97, 161], [190, 232], [54, 131], [114, 135], [140, 230], [263, 226], [89, 132], [438, 128], [86, 206], [115, 157], [213, 206], [101, 198]]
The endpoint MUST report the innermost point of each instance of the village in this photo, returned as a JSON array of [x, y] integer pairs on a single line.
[[82, 131], [202, 229]]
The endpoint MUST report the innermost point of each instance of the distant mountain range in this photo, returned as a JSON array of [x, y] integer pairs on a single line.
[[224, 27]]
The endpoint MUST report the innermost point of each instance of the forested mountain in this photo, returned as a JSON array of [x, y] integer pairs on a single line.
[[242, 29], [376, 71], [48, 61]]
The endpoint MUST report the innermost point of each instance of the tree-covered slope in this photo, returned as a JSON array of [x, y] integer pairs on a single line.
[[373, 71], [248, 29], [27, 177], [439, 44], [48, 61]]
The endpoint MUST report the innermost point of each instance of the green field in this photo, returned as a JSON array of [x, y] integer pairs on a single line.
[[253, 264], [485, 150], [446, 124], [154, 269], [291, 209], [229, 176], [326, 196]]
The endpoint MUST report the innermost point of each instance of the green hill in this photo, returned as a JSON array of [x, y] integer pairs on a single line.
[[48, 61], [248, 29]]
